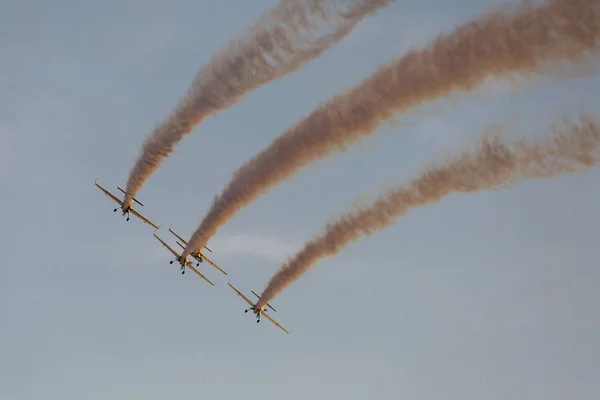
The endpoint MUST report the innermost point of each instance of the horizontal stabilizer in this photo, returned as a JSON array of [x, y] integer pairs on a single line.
[[134, 199], [183, 240], [268, 305]]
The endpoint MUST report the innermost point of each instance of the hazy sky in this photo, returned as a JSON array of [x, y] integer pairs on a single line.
[[485, 296]]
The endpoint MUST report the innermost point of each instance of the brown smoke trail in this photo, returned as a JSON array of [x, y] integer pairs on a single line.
[[520, 40], [286, 37], [494, 164]]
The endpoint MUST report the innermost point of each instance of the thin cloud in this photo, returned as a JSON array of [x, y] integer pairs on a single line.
[[271, 248]]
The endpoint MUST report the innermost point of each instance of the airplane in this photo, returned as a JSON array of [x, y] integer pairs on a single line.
[[260, 311], [183, 262], [126, 209], [199, 256]]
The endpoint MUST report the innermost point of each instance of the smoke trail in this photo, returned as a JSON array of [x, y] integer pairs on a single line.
[[494, 164], [290, 34], [500, 42]]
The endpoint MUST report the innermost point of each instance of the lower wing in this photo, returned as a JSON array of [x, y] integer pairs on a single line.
[[109, 194], [167, 246], [213, 264], [275, 323], [241, 295], [190, 266], [140, 216]]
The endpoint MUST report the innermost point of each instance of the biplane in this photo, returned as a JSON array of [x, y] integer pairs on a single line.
[[126, 209], [258, 311], [183, 262], [198, 255]]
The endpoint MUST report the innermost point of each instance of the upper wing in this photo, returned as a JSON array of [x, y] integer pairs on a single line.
[[190, 266], [275, 323], [241, 294], [140, 216], [167, 246], [178, 237], [109, 194]]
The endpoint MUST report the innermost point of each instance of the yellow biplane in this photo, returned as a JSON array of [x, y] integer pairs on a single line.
[[126, 209], [259, 311], [183, 262], [198, 255]]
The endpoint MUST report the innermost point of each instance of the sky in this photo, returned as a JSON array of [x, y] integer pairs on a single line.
[[480, 296]]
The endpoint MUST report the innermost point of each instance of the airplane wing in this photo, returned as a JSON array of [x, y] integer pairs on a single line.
[[167, 246], [213, 264], [131, 210], [184, 241], [204, 258], [109, 194], [190, 266], [178, 237], [275, 322], [140, 216], [241, 294]]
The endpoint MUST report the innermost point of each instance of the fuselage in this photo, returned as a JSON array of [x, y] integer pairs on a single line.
[[197, 254], [126, 207], [258, 311], [183, 260]]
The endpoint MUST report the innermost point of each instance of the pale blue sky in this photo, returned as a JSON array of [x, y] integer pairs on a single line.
[[485, 296]]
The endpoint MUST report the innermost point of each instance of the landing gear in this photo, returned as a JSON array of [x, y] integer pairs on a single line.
[[171, 262], [115, 210]]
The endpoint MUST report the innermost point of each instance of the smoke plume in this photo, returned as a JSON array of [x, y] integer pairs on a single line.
[[493, 165], [290, 34], [514, 40]]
